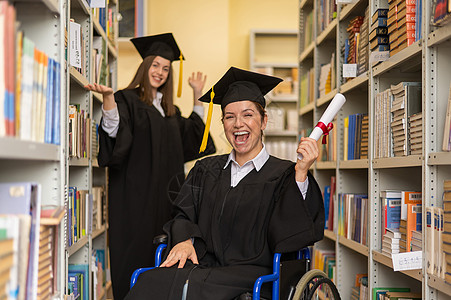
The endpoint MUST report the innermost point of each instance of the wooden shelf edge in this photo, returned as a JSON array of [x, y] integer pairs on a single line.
[[353, 245], [439, 158], [330, 235], [326, 165], [354, 164], [398, 162], [78, 245], [439, 284], [397, 59], [307, 108], [387, 261]]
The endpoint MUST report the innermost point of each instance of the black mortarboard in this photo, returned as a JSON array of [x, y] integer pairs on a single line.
[[163, 45], [237, 85]]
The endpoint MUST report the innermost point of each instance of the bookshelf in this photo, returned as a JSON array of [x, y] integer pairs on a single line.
[[425, 61], [45, 25], [273, 52], [98, 34]]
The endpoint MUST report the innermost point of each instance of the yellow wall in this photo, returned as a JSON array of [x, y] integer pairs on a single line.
[[213, 35]]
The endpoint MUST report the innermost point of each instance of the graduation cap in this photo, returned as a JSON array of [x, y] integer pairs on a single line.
[[163, 45], [237, 85]]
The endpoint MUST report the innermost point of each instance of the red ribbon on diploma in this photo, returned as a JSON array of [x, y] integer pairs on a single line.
[[325, 129]]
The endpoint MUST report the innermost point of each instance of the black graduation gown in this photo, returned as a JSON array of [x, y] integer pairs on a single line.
[[236, 230], [146, 169]]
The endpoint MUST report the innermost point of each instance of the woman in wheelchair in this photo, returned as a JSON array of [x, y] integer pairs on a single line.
[[235, 211]]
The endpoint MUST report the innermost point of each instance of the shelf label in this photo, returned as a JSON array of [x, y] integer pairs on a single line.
[[344, 1], [349, 70], [97, 3], [75, 44], [377, 56], [407, 261]]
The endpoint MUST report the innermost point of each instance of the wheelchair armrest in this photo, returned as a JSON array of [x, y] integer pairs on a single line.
[[160, 239], [136, 274]]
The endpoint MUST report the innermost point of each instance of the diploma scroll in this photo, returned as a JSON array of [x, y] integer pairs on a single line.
[[327, 117]]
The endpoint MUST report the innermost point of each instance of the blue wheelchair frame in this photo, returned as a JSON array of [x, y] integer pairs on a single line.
[[274, 277]]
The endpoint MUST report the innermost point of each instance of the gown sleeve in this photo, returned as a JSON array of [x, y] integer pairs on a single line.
[[184, 225], [114, 151], [294, 223], [192, 131]]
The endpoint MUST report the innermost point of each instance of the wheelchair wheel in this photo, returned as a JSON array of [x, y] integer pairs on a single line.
[[315, 285]]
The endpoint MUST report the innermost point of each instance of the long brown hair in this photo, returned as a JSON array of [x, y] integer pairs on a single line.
[[142, 82]]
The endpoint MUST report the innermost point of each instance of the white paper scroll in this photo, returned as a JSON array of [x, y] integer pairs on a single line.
[[327, 117]]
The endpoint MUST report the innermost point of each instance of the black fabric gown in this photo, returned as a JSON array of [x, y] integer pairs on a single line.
[[146, 169], [236, 230]]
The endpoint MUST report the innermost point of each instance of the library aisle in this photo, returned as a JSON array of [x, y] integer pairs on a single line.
[[386, 172]]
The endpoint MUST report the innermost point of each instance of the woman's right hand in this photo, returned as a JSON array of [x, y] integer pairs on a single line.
[[107, 93], [102, 89], [181, 252]]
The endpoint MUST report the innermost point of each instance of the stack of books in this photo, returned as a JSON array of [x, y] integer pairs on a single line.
[[45, 264], [378, 31], [446, 232], [416, 133], [403, 239], [354, 37], [401, 24], [390, 242], [441, 12], [364, 138], [406, 102], [363, 48], [417, 241]]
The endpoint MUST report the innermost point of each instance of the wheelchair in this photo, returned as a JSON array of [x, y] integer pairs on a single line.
[[296, 282]]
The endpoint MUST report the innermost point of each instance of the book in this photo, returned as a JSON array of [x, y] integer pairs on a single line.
[[379, 292]]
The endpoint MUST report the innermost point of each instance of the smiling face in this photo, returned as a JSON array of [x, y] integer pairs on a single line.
[[159, 71], [243, 125]]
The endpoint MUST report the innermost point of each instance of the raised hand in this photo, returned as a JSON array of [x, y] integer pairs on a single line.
[[180, 253], [107, 93], [308, 148], [102, 89]]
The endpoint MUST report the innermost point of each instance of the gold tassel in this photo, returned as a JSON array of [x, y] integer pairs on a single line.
[[207, 124], [179, 89]]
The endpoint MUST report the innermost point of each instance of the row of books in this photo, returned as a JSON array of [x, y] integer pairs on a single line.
[[28, 235], [353, 217], [355, 139], [360, 289], [378, 37], [82, 131], [363, 48], [308, 29], [438, 240], [327, 81], [326, 13], [85, 212], [401, 22], [395, 110], [329, 200], [79, 277], [288, 87], [446, 143], [445, 230], [441, 11], [30, 93], [307, 92], [324, 259], [394, 293]]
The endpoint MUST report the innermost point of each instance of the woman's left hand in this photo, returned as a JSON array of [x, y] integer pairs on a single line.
[[197, 81], [308, 148], [181, 252]]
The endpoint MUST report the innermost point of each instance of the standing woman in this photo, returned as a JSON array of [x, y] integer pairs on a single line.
[[144, 142]]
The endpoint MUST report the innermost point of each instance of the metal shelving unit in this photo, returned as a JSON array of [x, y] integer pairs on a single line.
[[426, 60]]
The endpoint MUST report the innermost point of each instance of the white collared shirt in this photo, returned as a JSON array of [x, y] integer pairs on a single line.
[[237, 173], [110, 121]]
